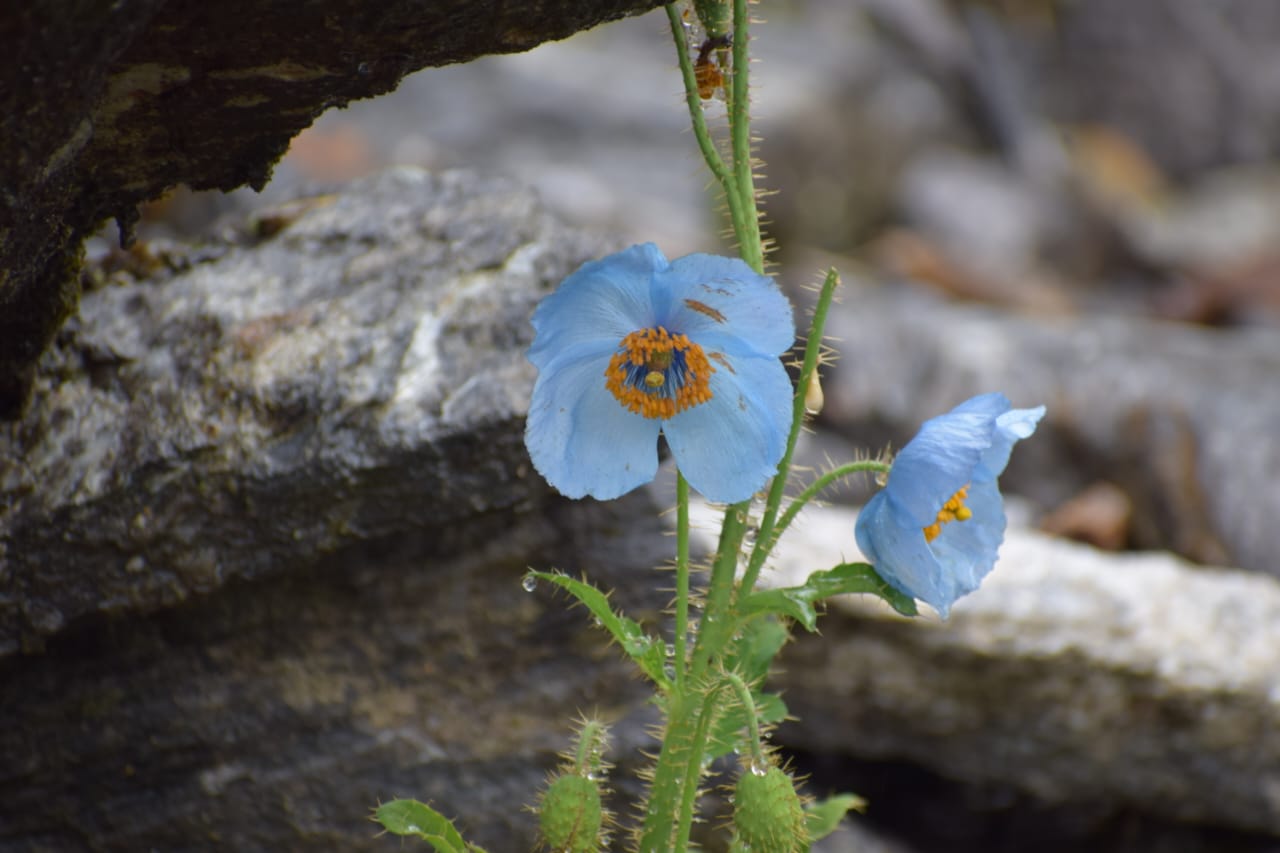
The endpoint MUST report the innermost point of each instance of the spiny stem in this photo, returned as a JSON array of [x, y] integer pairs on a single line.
[[753, 725], [714, 629], [748, 231], [682, 577], [812, 490], [768, 537], [666, 793], [698, 120], [693, 764]]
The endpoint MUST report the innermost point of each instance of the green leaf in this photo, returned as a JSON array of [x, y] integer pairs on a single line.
[[823, 817], [797, 602], [410, 817], [648, 652]]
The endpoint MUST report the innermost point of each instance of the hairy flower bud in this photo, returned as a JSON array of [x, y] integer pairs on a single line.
[[570, 816], [767, 813]]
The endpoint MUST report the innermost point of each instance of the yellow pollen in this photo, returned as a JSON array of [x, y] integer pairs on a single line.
[[657, 374], [953, 510]]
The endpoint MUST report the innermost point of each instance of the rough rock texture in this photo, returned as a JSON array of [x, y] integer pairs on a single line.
[[274, 403], [1133, 682], [109, 105], [263, 533], [1175, 415]]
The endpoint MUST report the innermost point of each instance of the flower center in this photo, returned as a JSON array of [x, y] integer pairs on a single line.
[[953, 510], [657, 374]]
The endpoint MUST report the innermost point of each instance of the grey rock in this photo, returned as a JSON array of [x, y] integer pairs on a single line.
[[359, 374], [109, 106], [263, 535], [1138, 681], [1178, 416]]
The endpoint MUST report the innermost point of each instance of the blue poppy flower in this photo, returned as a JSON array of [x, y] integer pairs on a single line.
[[632, 345], [934, 529]]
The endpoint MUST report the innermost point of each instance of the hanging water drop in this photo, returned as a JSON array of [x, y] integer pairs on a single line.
[[759, 768], [530, 583]]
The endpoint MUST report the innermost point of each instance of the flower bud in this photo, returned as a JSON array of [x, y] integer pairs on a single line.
[[767, 813], [570, 815]]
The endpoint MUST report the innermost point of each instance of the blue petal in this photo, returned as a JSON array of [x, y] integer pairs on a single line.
[[1011, 427], [604, 300], [729, 447], [944, 456], [897, 548], [967, 550], [579, 437], [708, 298]]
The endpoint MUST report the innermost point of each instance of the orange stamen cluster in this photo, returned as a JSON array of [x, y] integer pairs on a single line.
[[953, 510], [657, 374]]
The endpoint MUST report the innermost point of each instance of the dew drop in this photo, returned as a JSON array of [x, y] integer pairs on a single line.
[[759, 768], [530, 583]]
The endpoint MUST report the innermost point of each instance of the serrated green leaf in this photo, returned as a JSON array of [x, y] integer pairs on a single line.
[[823, 817], [410, 817], [797, 602], [647, 651]]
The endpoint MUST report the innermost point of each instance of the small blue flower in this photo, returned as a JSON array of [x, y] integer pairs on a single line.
[[934, 530], [632, 345]]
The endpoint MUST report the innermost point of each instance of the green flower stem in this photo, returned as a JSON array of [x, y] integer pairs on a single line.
[[698, 120], [753, 725], [702, 730], [666, 792], [674, 791], [810, 492], [748, 233], [768, 536], [693, 764], [671, 795], [714, 629], [682, 578]]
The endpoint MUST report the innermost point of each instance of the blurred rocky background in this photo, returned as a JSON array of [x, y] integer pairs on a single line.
[[233, 530]]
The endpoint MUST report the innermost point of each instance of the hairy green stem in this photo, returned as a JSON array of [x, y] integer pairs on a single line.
[[753, 725], [682, 578], [812, 490], [748, 233], [702, 133], [674, 790], [666, 791], [767, 537], [693, 763], [715, 628]]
